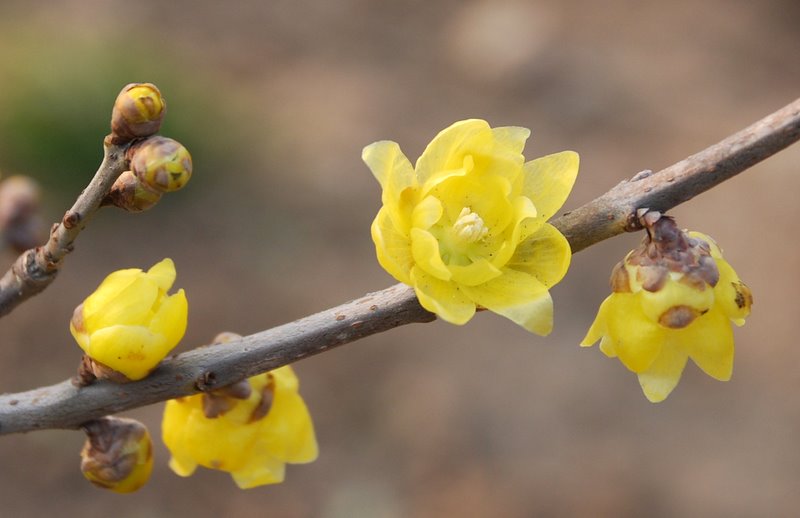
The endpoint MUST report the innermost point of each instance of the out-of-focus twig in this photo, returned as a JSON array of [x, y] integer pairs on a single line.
[[36, 268], [208, 368]]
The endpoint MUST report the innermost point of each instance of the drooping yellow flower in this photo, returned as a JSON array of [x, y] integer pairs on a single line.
[[251, 433], [466, 226], [673, 299], [117, 454], [129, 324]]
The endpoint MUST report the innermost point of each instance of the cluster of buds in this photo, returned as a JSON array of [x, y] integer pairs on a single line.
[[117, 454], [157, 164], [673, 299], [21, 223]]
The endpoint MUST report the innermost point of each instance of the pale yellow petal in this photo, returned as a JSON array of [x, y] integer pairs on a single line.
[[549, 180], [546, 255], [393, 249], [731, 294], [709, 342], [170, 320], [511, 137], [389, 166], [637, 340], [447, 150], [475, 273], [441, 297], [672, 294], [663, 375], [599, 326], [518, 296], [126, 349], [163, 273], [260, 472], [426, 213], [425, 250], [287, 432]]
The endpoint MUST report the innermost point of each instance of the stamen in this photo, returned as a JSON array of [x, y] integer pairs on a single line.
[[469, 226]]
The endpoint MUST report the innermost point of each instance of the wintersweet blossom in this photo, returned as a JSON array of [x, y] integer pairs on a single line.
[[130, 323], [674, 298], [466, 226], [250, 431]]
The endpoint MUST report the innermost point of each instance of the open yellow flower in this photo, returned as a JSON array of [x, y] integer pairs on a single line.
[[251, 435], [129, 324], [466, 226], [673, 299]]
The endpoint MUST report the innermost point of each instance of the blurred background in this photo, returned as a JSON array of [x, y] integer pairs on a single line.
[[275, 100]]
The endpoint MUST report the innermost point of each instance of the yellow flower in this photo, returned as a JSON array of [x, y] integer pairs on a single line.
[[673, 299], [466, 226], [252, 436], [129, 324], [117, 454]]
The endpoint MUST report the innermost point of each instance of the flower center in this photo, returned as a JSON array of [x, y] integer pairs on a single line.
[[469, 227]]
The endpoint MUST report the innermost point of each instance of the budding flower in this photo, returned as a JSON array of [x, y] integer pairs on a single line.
[[130, 194], [138, 112], [117, 454], [673, 299], [162, 164], [251, 429], [20, 221], [130, 323]]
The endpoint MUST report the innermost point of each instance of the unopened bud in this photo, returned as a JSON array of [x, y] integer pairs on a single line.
[[130, 194], [117, 455], [161, 163], [138, 112], [20, 221]]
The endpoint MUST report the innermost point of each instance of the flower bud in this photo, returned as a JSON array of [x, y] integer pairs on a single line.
[[673, 298], [138, 112], [117, 454], [130, 323], [162, 164], [21, 224], [130, 194]]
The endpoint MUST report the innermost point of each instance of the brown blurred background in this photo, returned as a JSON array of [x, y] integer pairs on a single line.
[[275, 100]]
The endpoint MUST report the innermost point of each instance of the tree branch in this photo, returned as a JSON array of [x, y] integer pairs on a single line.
[[36, 268], [206, 368]]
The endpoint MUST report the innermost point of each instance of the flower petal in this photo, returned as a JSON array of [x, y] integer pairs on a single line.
[[393, 249], [163, 274], [426, 213], [447, 149], [637, 340], [663, 375], [126, 349], [441, 297], [170, 321], [511, 137], [549, 180], [732, 295], [546, 255], [475, 273], [517, 296], [260, 471], [709, 342], [425, 250], [389, 166]]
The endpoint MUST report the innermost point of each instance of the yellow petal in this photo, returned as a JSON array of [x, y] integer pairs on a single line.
[[716, 251], [392, 247], [170, 321], [425, 250], [549, 180], [731, 294], [546, 255], [663, 375], [259, 472], [518, 296], [709, 342], [389, 166], [285, 378], [672, 294], [426, 213], [441, 297], [637, 340], [447, 150], [123, 288], [511, 137], [475, 273], [163, 273], [126, 349], [599, 326], [287, 432]]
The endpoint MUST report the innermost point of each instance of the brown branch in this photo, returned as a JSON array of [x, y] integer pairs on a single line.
[[36, 268], [206, 368]]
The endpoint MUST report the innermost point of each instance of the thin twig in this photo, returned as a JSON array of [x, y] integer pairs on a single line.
[[65, 406], [36, 268]]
